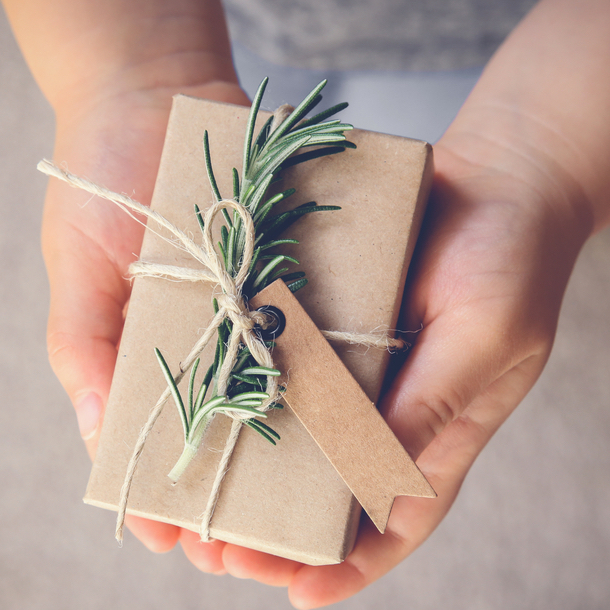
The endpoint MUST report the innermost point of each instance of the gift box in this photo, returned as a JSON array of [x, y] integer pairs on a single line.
[[287, 499]]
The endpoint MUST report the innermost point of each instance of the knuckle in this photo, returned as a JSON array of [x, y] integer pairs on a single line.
[[438, 412], [61, 348]]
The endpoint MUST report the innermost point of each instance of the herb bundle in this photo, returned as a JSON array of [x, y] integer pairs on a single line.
[[264, 158]]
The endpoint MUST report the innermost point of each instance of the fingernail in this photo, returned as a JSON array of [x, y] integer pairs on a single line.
[[88, 412]]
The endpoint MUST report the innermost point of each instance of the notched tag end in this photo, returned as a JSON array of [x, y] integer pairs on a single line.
[[326, 398]]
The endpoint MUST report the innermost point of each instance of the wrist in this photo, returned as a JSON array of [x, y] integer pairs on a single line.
[[87, 52], [515, 158]]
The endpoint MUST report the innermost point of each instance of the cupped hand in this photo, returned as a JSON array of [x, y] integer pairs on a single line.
[[88, 245], [487, 283]]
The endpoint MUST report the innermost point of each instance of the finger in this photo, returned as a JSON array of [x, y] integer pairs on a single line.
[[88, 294], [267, 569], [374, 554], [157, 537], [445, 463], [456, 358], [205, 556]]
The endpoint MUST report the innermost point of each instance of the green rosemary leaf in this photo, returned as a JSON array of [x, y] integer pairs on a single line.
[[224, 235], [208, 166], [270, 203], [191, 387], [231, 252], [278, 242], [330, 128], [314, 154], [199, 216], [241, 362], [289, 277], [263, 134], [249, 396], [318, 118], [215, 305], [299, 112], [268, 269], [246, 190], [271, 163], [262, 213], [226, 406], [200, 398], [219, 355], [265, 427], [253, 381], [248, 403], [290, 259], [227, 217], [223, 252], [257, 194], [270, 279], [203, 413], [235, 185], [281, 196], [283, 221], [241, 236], [223, 333], [294, 286], [263, 433], [255, 257], [174, 390], [323, 139], [261, 370], [208, 375], [256, 103], [202, 390]]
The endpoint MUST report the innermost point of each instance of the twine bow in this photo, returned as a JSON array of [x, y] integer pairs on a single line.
[[231, 306]]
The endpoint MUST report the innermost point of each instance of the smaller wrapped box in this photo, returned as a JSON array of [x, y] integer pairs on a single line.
[[286, 500]]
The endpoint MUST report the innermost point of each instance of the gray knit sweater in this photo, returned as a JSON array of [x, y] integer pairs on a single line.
[[374, 34]]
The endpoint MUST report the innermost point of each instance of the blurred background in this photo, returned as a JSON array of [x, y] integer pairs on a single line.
[[530, 529]]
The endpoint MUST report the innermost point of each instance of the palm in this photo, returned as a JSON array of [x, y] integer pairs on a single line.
[[487, 285]]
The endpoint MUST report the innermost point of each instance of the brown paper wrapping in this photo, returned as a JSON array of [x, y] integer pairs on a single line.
[[286, 500]]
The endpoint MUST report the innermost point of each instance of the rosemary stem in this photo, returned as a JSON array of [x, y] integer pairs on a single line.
[[188, 453], [190, 450]]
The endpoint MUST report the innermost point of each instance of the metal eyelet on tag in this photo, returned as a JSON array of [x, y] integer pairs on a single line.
[[277, 325]]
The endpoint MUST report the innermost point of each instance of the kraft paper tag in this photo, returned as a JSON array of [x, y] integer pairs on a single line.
[[337, 413]]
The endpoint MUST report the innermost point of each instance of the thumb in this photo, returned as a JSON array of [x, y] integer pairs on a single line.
[[461, 366], [88, 295]]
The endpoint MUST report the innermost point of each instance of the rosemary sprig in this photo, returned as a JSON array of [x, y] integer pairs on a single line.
[[264, 157]]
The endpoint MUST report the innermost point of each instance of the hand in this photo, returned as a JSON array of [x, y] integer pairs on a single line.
[[500, 241], [522, 178], [487, 284], [88, 245]]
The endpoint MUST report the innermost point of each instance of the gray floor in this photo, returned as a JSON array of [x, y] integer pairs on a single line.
[[530, 530]]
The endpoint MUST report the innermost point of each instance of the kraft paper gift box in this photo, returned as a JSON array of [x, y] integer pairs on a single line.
[[287, 500]]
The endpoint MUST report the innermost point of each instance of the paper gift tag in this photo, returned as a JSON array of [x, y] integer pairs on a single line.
[[338, 414]]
